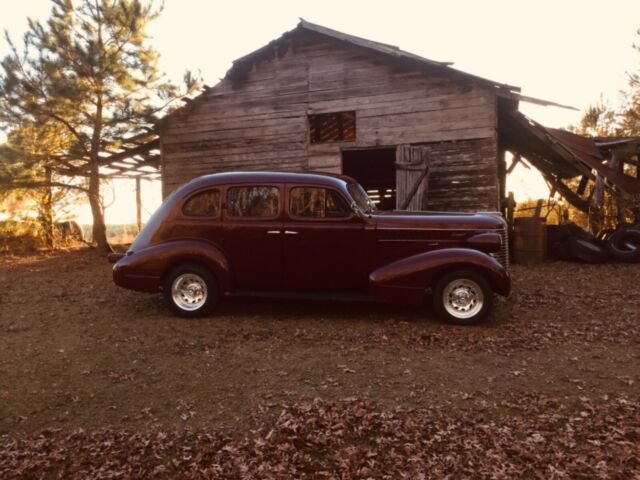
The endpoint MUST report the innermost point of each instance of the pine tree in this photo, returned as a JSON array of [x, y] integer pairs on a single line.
[[26, 166], [630, 114], [91, 73], [598, 120]]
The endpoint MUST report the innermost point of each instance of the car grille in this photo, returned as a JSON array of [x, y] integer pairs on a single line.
[[503, 255]]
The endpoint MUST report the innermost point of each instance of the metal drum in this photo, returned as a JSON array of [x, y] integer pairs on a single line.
[[529, 240]]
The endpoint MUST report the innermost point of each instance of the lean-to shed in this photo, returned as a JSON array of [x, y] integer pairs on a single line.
[[318, 99]]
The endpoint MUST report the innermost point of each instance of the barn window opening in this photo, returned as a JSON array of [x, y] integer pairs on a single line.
[[332, 127]]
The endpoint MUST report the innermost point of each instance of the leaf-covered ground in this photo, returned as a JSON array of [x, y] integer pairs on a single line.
[[352, 439], [98, 382]]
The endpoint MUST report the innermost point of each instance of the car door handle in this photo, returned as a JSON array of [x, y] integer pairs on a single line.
[[290, 232], [273, 232]]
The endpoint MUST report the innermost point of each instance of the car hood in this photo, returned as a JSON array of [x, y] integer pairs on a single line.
[[438, 220]]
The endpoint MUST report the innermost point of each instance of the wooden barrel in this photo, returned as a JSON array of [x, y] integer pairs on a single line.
[[529, 240]]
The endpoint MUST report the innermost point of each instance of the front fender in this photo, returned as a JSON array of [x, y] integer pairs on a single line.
[[405, 281], [143, 270]]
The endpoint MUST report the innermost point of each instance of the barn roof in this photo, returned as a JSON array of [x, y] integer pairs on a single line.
[[241, 66], [561, 155], [377, 47], [386, 51]]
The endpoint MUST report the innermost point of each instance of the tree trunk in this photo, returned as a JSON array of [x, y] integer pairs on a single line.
[[46, 210], [99, 227]]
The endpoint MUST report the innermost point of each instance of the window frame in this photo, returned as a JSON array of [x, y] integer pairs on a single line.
[[291, 187], [312, 118], [192, 195], [225, 204]]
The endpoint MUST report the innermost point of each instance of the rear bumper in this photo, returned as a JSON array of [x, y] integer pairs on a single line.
[[113, 257], [123, 277]]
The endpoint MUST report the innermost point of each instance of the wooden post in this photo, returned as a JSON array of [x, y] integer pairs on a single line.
[[538, 210], [138, 204], [511, 207], [502, 176]]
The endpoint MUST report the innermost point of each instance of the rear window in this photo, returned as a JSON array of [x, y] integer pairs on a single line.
[[204, 204], [253, 201], [146, 234]]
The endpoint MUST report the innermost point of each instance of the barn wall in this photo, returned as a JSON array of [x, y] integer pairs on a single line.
[[463, 176], [262, 123]]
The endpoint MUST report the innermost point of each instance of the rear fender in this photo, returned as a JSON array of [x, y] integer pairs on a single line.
[[405, 281], [145, 269]]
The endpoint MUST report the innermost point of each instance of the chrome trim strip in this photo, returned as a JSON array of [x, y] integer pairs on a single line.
[[441, 229], [430, 241]]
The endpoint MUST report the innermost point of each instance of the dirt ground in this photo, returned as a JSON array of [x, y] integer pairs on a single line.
[[78, 353]]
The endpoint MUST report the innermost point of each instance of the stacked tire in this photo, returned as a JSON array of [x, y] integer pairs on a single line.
[[569, 242], [623, 244]]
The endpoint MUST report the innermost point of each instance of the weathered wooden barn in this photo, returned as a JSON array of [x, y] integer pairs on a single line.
[[415, 132]]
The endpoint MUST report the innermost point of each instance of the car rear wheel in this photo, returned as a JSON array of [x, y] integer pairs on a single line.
[[191, 290], [463, 297]]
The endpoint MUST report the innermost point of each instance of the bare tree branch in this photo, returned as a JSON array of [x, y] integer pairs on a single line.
[[34, 184]]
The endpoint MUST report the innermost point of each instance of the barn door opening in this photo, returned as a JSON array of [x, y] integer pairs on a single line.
[[375, 170], [412, 177]]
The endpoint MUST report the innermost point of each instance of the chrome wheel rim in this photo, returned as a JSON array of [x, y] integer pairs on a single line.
[[189, 291], [463, 298]]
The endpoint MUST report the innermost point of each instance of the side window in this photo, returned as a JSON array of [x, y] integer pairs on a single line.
[[205, 204], [311, 202], [256, 201]]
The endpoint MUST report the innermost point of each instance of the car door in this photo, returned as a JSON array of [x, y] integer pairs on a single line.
[[253, 235], [324, 244]]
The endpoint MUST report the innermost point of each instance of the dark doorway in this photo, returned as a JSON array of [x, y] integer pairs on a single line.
[[375, 169]]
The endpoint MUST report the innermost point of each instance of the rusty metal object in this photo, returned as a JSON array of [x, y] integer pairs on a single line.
[[529, 240]]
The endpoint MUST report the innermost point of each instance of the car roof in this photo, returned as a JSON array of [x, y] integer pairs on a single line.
[[322, 178]]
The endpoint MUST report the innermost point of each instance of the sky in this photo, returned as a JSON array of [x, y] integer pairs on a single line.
[[571, 52]]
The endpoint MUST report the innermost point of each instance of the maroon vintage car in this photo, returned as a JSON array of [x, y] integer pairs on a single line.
[[278, 233]]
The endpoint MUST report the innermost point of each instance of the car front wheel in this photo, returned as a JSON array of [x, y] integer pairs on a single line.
[[190, 290], [462, 297]]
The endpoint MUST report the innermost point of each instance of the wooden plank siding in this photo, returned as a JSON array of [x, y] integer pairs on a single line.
[[262, 123], [463, 176]]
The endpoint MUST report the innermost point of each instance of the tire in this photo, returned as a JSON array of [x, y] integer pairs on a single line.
[[462, 312], [578, 232], [624, 244], [604, 235], [190, 290], [587, 251]]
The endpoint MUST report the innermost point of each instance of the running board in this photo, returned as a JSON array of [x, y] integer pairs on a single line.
[[339, 297]]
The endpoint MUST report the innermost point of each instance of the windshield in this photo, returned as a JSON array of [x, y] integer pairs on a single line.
[[361, 198]]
